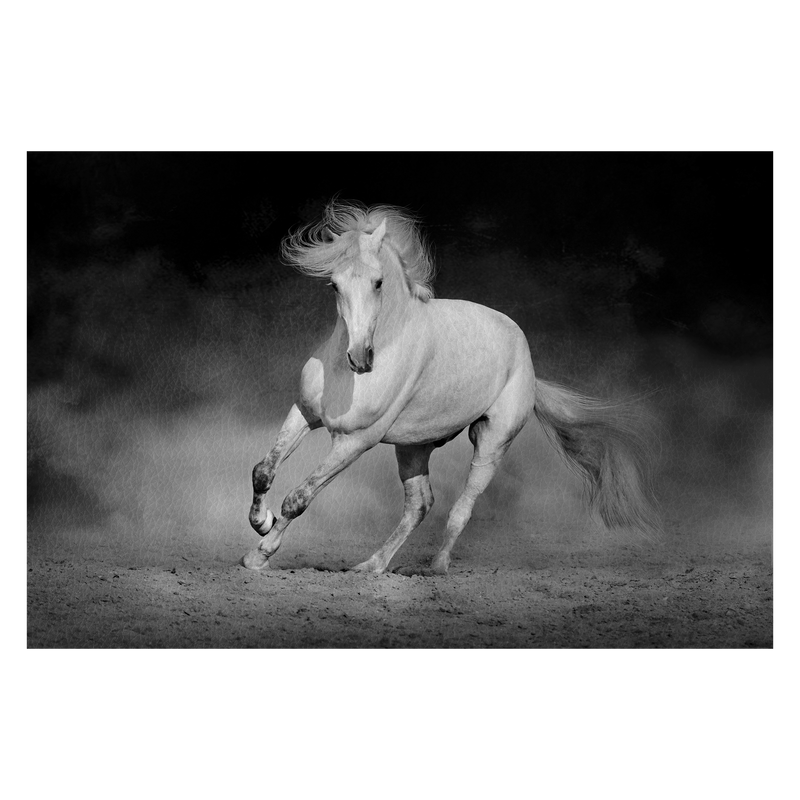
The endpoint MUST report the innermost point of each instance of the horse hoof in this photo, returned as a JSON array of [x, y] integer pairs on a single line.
[[417, 572], [368, 567], [255, 559], [440, 566]]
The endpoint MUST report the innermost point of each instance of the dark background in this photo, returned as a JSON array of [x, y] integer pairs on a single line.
[[709, 216], [165, 337]]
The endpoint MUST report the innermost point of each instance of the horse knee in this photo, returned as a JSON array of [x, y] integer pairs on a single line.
[[262, 477], [295, 503]]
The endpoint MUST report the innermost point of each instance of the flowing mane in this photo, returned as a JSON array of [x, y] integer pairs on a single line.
[[322, 248]]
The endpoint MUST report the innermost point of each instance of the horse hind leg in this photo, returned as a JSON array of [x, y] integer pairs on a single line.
[[491, 437], [480, 475], [413, 466]]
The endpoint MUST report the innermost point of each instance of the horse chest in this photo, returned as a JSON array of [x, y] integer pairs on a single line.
[[344, 401]]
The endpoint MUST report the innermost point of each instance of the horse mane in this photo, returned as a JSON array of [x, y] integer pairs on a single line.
[[319, 249]]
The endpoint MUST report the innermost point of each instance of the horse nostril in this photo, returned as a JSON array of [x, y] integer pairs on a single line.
[[369, 355], [351, 362]]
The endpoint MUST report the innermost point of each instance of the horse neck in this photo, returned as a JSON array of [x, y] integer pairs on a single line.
[[398, 304]]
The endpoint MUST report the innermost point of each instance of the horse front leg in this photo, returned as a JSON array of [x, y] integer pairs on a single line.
[[294, 429], [344, 451]]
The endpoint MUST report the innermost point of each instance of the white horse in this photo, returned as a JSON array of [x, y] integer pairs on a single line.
[[408, 370]]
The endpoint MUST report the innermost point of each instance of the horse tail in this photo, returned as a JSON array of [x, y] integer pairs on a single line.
[[603, 444]]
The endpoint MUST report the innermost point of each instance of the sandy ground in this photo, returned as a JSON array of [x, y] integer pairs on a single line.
[[624, 598]]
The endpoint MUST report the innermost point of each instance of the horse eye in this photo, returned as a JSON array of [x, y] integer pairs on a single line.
[[335, 287], [378, 284]]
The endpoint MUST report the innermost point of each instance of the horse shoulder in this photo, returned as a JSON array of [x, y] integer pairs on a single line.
[[312, 384]]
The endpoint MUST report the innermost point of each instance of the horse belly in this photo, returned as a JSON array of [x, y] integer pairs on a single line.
[[431, 416]]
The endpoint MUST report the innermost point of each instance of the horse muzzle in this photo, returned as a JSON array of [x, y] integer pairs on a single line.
[[360, 359]]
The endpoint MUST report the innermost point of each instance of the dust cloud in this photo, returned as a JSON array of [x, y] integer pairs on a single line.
[[152, 394]]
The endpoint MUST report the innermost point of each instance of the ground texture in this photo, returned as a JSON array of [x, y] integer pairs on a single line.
[[626, 598]]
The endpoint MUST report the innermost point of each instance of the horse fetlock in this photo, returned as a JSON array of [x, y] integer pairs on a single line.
[[440, 564], [372, 565], [262, 522], [256, 559]]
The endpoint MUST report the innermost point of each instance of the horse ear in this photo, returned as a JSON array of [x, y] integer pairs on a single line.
[[376, 237]]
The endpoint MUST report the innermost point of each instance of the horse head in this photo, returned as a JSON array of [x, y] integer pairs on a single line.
[[359, 299]]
